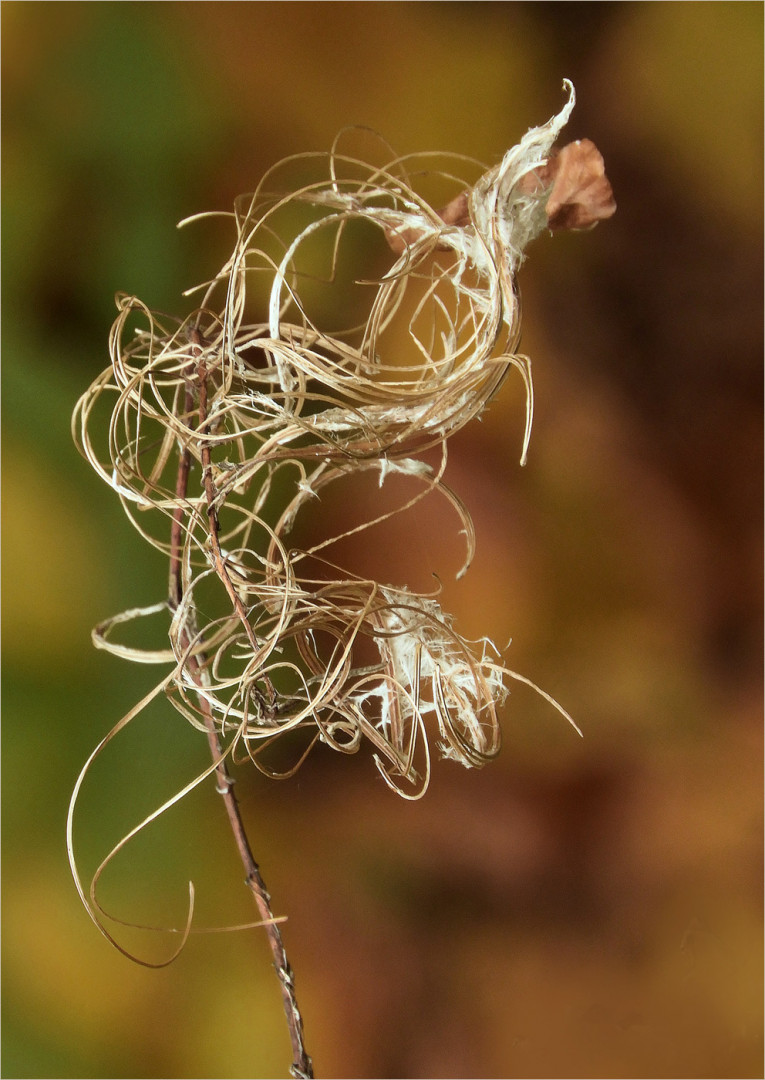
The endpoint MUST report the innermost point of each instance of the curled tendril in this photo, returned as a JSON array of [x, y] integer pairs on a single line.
[[223, 430]]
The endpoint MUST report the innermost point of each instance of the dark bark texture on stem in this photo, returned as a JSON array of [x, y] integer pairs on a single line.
[[302, 1067]]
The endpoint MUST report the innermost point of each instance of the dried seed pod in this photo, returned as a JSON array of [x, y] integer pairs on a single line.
[[262, 405]]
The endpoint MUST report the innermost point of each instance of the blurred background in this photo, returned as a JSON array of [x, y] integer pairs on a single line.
[[581, 907]]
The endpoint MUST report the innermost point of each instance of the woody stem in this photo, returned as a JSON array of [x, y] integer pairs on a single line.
[[301, 1064]]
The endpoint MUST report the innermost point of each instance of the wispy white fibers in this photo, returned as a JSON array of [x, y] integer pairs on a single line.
[[267, 403]]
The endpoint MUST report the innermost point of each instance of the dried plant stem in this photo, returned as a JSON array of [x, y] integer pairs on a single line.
[[301, 1065], [288, 399]]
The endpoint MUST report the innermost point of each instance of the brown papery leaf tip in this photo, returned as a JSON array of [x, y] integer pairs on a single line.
[[581, 194], [456, 212]]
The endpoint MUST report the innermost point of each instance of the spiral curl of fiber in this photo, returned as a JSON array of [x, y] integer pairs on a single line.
[[259, 417]]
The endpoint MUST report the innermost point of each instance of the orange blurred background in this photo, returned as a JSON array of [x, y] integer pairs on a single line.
[[580, 908]]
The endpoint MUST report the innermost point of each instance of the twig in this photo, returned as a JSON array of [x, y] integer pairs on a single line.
[[302, 1067]]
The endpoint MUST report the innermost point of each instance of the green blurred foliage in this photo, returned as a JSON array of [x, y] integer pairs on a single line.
[[581, 908]]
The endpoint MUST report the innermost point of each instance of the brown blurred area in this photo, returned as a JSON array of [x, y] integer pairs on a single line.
[[581, 907]]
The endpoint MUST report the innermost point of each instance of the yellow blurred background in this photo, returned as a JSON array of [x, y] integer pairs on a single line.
[[580, 908]]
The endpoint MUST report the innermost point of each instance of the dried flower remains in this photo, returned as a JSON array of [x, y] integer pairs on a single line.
[[224, 429]]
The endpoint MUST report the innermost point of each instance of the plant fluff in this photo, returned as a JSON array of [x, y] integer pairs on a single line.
[[225, 429], [219, 432]]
